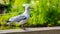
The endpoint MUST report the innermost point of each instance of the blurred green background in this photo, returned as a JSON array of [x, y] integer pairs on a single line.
[[44, 12]]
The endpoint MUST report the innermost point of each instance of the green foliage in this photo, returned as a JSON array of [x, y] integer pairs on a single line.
[[44, 12]]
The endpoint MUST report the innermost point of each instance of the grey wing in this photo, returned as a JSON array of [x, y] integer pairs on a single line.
[[18, 19], [21, 18]]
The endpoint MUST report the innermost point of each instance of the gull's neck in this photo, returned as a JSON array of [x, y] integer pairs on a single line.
[[26, 10]]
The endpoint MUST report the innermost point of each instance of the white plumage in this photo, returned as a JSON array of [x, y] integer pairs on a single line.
[[22, 18]]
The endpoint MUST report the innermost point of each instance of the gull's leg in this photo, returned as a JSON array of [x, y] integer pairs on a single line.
[[22, 26]]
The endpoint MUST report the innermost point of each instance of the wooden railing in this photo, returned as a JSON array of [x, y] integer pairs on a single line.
[[39, 30]]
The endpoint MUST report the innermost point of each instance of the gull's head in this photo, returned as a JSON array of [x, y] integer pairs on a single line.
[[26, 6]]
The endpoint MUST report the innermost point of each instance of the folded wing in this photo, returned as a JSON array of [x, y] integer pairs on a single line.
[[17, 18]]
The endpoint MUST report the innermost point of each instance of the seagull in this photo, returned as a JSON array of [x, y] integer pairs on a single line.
[[22, 18]]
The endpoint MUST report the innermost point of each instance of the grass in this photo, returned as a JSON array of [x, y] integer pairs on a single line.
[[44, 12]]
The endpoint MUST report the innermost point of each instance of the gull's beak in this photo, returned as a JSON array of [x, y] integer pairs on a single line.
[[31, 8]]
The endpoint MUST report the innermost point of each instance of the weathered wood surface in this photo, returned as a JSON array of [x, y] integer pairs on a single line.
[[39, 30]]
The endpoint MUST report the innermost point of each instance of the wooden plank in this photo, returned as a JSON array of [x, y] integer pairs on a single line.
[[41, 30]]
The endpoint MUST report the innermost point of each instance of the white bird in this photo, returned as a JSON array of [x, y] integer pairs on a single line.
[[22, 18]]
